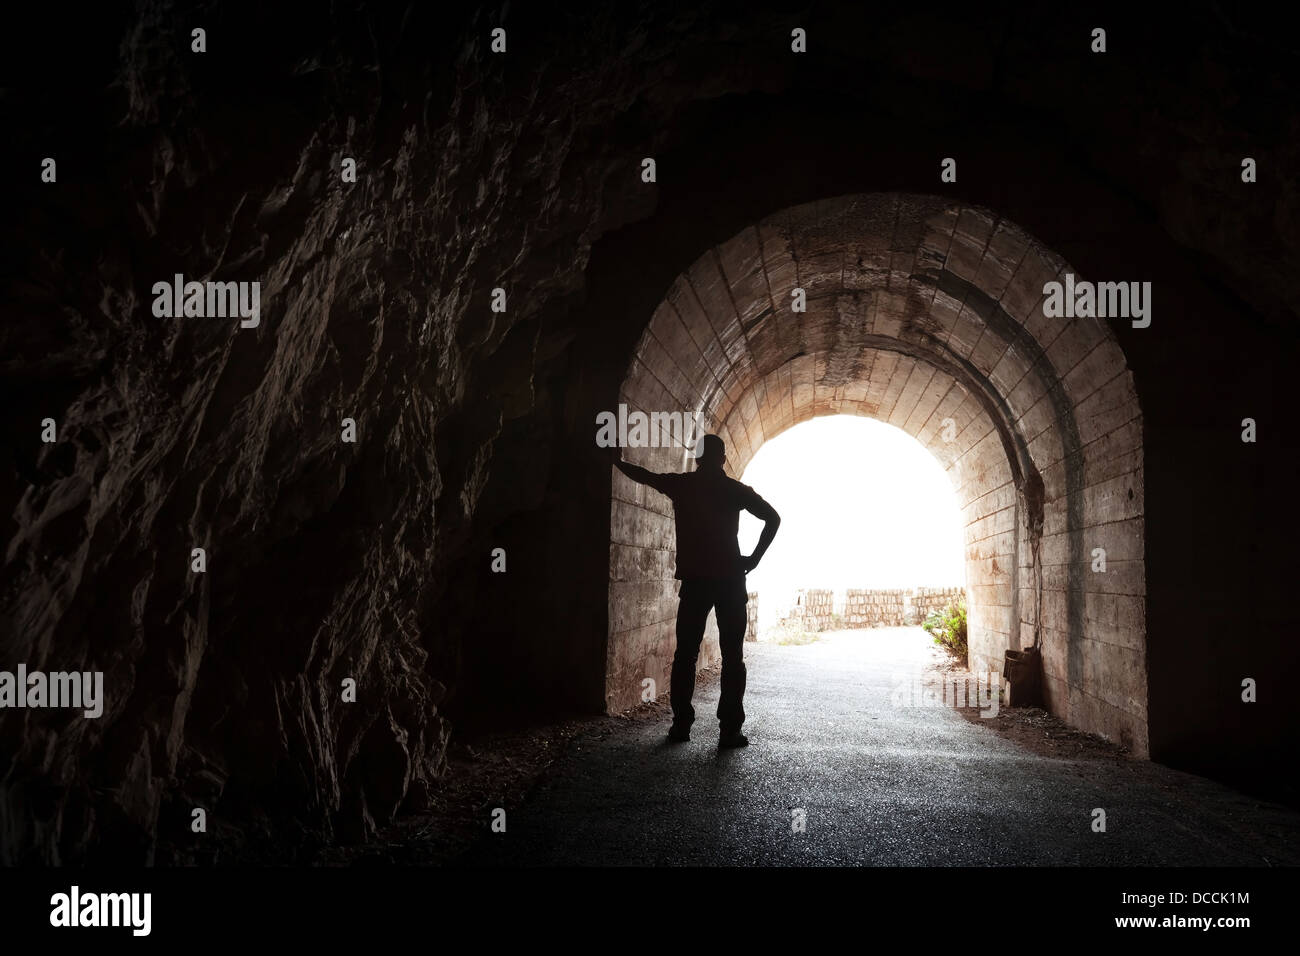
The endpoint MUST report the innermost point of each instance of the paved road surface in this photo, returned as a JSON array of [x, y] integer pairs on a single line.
[[879, 783]]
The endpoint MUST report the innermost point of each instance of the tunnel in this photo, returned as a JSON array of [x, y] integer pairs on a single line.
[[928, 316], [409, 538]]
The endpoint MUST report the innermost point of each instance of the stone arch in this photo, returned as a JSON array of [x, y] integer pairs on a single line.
[[922, 312]]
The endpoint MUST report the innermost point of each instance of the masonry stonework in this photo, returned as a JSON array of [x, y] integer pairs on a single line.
[[927, 600], [865, 608], [927, 314], [813, 609], [821, 609]]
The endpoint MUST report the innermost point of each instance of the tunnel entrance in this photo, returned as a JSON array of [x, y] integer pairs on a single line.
[[871, 534], [929, 315]]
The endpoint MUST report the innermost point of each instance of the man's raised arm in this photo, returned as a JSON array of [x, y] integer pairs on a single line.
[[642, 476]]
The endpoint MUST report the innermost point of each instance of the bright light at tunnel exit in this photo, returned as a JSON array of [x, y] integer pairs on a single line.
[[862, 505]]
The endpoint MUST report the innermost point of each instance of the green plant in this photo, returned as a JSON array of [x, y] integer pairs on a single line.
[[948, 628]]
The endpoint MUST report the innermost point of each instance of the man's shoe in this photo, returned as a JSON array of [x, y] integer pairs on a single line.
[[733, 740], [679, 735]]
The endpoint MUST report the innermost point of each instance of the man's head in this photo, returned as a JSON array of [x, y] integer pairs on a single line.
[[711, 454]]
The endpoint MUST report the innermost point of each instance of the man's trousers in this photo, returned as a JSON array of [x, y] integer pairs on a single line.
[[698, 596]]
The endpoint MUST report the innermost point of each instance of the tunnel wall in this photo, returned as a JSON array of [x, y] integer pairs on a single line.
[[927, 315]]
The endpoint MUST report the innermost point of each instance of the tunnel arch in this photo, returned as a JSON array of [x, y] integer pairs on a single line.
[[926, 313]]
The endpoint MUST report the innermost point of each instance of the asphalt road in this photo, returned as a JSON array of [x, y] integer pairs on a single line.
[[879, 781]]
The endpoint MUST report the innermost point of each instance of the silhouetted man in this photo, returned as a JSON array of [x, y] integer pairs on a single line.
[[707, 505]]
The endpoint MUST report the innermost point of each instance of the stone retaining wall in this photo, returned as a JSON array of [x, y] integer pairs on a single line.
[[873, 608], [817, 609], [813, 609], [925, 600]]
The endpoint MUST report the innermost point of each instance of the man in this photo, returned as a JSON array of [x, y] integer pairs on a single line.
[[707, 505]]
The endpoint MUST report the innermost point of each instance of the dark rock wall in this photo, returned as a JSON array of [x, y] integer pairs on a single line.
[[329, 560]]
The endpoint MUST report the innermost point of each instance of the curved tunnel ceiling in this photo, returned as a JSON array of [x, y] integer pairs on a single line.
[[913, 304]]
